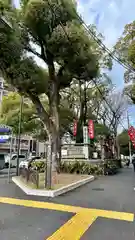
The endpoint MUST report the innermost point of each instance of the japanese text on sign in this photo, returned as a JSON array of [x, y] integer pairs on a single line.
[[91, 129]]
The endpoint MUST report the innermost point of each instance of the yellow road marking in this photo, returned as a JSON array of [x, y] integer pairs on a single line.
[[78, 224], [74, 228], [67, 208], [112, 214], [44, 205]]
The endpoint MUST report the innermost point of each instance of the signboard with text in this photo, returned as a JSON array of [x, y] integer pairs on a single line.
[[91, 129], [4, 129], [131, 133], [4, 138], [75, 128]]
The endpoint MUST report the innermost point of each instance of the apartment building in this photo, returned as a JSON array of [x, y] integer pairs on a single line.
[[27, 145]]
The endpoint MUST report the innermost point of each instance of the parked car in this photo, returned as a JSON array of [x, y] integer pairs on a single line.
[[2, 161], [26, 163], [13, 161]]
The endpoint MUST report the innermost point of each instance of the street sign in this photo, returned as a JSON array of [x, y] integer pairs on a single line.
[[91, 129], [4, 138], [5, 129]]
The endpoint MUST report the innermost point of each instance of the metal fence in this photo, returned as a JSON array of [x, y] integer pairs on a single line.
[[30, 175]]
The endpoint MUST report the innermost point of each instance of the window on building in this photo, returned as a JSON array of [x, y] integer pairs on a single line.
[[25, 142]]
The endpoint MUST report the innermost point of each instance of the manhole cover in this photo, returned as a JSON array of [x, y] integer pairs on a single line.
[[98, 189]]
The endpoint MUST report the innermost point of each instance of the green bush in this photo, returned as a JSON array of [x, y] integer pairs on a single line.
[[39, 165], [81, 168], [110, 167]]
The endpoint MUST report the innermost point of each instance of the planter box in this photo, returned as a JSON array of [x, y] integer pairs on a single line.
[[51, 193]]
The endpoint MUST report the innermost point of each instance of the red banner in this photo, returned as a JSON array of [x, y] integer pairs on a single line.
[[131, 133], [91, 129], [75, 128]]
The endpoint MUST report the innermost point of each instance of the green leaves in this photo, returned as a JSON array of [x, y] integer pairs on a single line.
[[31, 123], [101, 130], [123, 140], [42, 16], [27, 77], [51, 31], [72, 47], [125, 47], [10, 109]]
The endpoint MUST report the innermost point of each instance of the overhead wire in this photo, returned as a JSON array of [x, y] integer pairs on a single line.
[[103, 46]]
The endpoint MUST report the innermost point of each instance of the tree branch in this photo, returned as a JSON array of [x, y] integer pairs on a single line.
[[43, 55], [44, 116], [29, 49]]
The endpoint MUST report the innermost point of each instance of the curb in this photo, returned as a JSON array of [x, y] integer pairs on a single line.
[[51, 193]]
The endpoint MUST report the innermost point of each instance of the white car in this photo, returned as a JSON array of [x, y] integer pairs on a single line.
[[25, 163], [13, 160]]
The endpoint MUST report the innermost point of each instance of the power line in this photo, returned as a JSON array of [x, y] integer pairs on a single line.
[[100, 44]]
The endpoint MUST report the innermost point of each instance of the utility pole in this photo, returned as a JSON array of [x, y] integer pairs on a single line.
[[129, 144]]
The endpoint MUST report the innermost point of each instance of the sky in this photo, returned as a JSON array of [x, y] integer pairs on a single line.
[[110, 17]]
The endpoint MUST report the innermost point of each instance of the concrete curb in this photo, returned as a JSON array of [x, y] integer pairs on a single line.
[[51, 193]]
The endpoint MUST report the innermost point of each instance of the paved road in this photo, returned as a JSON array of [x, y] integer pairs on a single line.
[[34, 220], [4, 172]]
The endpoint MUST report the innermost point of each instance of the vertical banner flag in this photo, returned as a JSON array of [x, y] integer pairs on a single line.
[[75, 128], [131, 133], [91, 129]]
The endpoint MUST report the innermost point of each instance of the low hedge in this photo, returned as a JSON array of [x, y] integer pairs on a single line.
[[72, 167], [39, 166], [81, 168], [110, 167]]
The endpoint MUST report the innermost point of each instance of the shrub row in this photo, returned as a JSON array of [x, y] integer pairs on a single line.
[[111, 167], [81, 168]]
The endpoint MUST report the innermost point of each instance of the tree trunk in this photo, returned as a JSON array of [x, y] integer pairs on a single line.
[[48, 124], [54, 116], [48, 173], [59, 150], [102, 148], [41, 112], [85, 105], [51, 120]]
